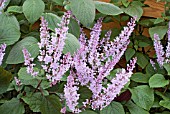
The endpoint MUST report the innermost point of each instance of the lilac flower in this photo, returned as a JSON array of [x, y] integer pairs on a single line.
[[153, 64], [113, 89], [70, 93], [168, 46], [63, 110], [159, 50], [51, 46], [17, 81], [95, 60], [2, 5], [2, 50], [28, 61]]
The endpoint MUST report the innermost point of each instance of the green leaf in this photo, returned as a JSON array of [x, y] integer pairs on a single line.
[[158, 80], [158, 20], [113, 108], [85, 93], [88, 112], [7, 20], [23, 75], [167, 67], [14, 106], [9, 29], [160, 30], [134, 109], [52, 20], [27, 79], [14, 9], [165, 103], [34, 101], [134, 10], [5, 78], [16, 55], [84, 10], [107, 8], [74, 28], [33, 9], [129, 53], [141, 60], [71, 44], [59, 2], [51, 105], [143, 96], [140, 77]]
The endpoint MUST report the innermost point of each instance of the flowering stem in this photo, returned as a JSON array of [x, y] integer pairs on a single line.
[[39, 83]]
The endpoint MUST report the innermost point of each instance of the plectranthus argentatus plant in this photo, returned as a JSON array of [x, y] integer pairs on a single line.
[[93, 62], [54, 63], [162, 56]]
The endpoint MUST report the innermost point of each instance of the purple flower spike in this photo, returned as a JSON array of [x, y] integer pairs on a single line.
[[2, 5], [159, 50], [70, 93], [51, 46], [28, 61], [2, 50], [96, 59]]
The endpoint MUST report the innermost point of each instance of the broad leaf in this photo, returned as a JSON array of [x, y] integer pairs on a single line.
[[129, 53], [140, 77], [52, 19], [51, 105], [71, 44], [158, 80], [33, 9], [84, 10], [167, 67], [160, 30], [59, 2], [113, 108], [9, 29], [141, 60], [5, 78], [16, 55], [14, 106], [165, 103], [134, 10], [74, 28], [34, 101], [134, 109], [14, 9], [107, 8], [143, 96]]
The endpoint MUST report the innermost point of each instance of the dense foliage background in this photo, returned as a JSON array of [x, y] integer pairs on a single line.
[[148, 90]]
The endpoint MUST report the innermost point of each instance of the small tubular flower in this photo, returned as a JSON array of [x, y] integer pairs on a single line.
[[96, 59], [2, 52], [2, 5], [28, 61], [159, 50], [54, 62], [70, 93]]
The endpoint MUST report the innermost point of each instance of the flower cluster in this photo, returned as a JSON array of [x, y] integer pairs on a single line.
[[28, 61], [162, 56], [94, 61], [2, 5], [2, 50], [17, 81], [53, 61]]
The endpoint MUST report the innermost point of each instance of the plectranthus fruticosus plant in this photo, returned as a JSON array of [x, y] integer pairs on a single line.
[[93, 62], [54, 63], [162, 56]]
